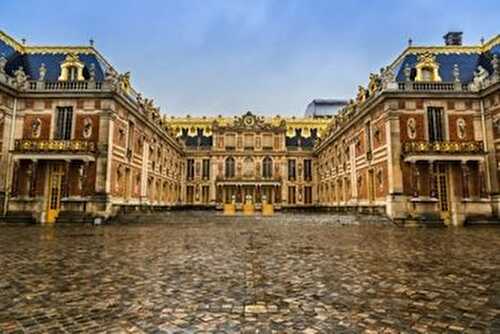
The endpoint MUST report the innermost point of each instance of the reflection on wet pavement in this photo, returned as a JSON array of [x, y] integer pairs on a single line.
[[203, 273]]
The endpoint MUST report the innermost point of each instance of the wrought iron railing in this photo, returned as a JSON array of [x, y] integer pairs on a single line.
[[445, 147], [54, 146]]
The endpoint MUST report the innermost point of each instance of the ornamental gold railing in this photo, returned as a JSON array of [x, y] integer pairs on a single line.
[[54, 146], [445, 147]]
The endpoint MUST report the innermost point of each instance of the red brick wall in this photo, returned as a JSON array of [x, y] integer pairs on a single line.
[[360, 146], [120, 134], [419, 121], [363, 186], [27, 126], [378, 140], [79, 123], [381, 183], [469, 127]]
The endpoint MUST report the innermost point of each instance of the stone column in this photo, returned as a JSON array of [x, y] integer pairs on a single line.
[[433, 191], [465, 180], [416, 179], [34, 167], [66, 179]]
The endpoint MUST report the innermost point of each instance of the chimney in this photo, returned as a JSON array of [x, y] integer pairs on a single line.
[[453, 38]]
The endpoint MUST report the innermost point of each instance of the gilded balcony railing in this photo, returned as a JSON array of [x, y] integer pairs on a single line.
[[54, 146], [256, 178], [443, 147]]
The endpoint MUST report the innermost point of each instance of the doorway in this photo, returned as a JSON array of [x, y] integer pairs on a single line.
[[56, 174]]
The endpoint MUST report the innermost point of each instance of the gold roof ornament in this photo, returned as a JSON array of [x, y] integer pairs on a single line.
[[71, 61], [427, 62], [362, 94], [375, 83]]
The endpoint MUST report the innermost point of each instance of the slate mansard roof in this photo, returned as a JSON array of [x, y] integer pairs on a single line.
[[468, 58], [32, 57]]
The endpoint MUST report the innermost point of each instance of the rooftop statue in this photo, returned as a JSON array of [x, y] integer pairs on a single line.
[[42, 72], [3, 62], [20, 77], [92, 72]]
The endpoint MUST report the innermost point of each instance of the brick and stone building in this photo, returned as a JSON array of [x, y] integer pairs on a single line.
[[418, 144], [77, 140], [229, 159]]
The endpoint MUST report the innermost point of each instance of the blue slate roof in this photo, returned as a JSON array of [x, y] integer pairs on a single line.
[[31, 61], [466, 61], [300, 141], [467, 64], [6, 50], [198, 140]]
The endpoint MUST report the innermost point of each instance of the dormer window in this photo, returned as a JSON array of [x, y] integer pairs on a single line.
[[427, 74], [427, 68], [72, 68], [72, 73]]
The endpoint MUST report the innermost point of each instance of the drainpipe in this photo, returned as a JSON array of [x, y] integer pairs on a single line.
[[10, 148]]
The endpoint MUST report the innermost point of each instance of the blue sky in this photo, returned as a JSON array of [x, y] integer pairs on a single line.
[[210, 57]]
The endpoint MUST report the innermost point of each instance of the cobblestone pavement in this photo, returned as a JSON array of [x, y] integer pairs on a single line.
[[201, 273]]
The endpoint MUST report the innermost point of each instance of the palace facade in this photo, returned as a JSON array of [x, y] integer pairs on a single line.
[[418, 144], [266, 159], [78, 142]]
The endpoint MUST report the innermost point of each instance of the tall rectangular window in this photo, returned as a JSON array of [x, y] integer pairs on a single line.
[[291, 170], [308, 195], [435, 124], [291, 195], [267, 141], [205, 194], [190, 194], [368, 133], [230, 141], [248, 141], [64, 121], [190, 169], [131, 133], [307, 169], [206, 169]]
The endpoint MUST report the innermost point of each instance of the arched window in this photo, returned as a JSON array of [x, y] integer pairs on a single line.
[[427, 74], [267, 167], [72, 73], [230, 167], [248, 167]]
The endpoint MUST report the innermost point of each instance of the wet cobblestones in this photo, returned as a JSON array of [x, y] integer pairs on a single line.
[[200, 273]]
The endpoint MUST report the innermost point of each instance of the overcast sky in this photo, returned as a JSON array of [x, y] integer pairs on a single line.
[[225, 57]]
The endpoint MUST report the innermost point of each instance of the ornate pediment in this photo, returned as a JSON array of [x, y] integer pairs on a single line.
[[250, 122]]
